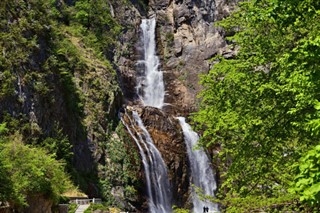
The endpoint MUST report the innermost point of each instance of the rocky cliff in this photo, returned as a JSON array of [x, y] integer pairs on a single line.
[[187, 40], [57, 88]]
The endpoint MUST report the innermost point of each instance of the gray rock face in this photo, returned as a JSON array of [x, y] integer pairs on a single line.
[[187, 40], [127, 53]]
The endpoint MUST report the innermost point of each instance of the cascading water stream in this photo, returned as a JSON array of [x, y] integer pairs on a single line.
[[201, 169], [158, 185], [143, 156], [150, 86], [150, 89]]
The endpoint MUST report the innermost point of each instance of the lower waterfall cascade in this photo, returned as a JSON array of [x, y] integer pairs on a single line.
[[158, 186], [201, 169]]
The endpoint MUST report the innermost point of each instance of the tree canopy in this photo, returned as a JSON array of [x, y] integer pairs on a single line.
[[262, 106], [27, 171]]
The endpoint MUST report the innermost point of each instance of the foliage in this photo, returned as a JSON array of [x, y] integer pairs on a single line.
[[122, 167], [39, 59], [114, 210], [99, 26], [57, 84], [259, 107], [22, 29], [307, 181], [169, 38], [58, 145], [72, 207], [5, 181], [3, 128], [56, 142], [287, 203], [29, 171], [179, 210], [94, 207]]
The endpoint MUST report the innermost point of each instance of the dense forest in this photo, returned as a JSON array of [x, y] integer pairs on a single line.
[[60, 94], [261, 108]]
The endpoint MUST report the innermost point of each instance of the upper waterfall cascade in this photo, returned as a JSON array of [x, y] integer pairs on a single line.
[[150, 86], [201, 169]]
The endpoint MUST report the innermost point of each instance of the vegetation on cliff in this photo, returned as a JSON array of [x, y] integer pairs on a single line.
[[261, 108], [58, 95]]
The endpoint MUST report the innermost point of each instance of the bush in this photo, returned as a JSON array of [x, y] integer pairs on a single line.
[[29, 171], [72, 208]]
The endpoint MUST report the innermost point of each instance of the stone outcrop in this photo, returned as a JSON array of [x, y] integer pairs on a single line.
[[127, 53], [167, 135]]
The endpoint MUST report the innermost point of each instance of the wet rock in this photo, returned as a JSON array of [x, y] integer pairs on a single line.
[[167, 136]]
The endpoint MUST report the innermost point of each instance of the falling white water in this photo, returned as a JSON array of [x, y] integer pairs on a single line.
[[143, 156], [150, 86], [201, 170], [158, 186]]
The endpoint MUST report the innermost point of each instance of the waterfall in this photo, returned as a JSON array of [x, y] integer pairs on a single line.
[[143, 156], [158, 186], [150, 86], [201, 169], [150, 89]]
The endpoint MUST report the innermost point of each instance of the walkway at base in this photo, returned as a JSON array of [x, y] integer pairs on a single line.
[[82, 208]]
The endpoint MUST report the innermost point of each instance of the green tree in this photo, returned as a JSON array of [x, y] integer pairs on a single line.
[[259, 106], [102, 30], [5, 181], [121, 168], [26, 171], [307, 182], [179, 210]]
